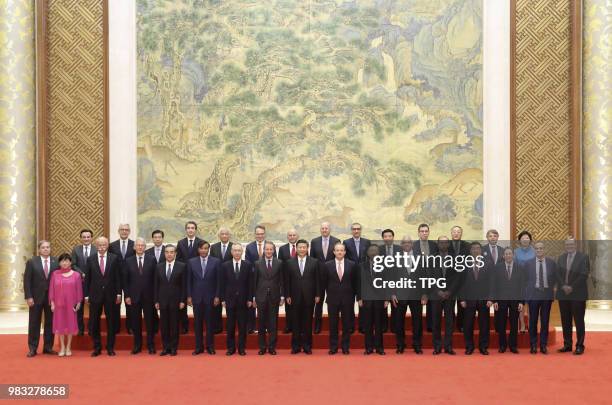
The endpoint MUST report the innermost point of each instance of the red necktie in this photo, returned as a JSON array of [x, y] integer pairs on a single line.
[[269, 266], [102, 269], [292, 250]]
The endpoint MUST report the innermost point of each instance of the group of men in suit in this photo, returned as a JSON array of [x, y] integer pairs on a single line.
[[301, 276]]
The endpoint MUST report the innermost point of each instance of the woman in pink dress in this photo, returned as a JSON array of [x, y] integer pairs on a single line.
[[65, 296]]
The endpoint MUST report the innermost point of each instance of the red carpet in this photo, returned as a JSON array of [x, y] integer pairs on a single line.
[[290, 379]]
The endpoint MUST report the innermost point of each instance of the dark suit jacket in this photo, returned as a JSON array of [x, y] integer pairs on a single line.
[[252, 255], [207, 288], [265, 282], [79, 261], [139, 287], [100, 287], [488, 255], [115, 248], [452, 278], [284, 252], [170, 293], [235, 292], [151, 252], [35, 284], [302, 287], [531, 293], [183, 254], [433, 247], [397, 273], [316, 248], [578, 276], [216, 251], [503, 289], [340, 292], [351, 249], [396, 248], [464, 248], [476, 289]]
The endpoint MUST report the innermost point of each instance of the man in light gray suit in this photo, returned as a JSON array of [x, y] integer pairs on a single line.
[[268, 290], [80, 253]]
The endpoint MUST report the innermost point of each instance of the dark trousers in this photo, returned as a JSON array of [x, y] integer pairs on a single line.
[[572, 311], [184, 319], [416, 314], [507, 310], [251, 318], [335, 312], [236, 315], [301, 325], [459, 317], [95, 314], [203, 313], [34, 319], [318, 313], [288, 317], [218, 318], [388, 323], [398, 323], [441, 307], [469, 314], [138, 311], [116, 317], [169, 326], [428, 318], [373, 319], [267, 316], [539, 309]]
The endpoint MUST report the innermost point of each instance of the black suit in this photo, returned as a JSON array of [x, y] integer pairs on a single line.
[[443, 302], [459, 247], [360, 256], [216, 250], [572, 306], [183, 253], [36, 287], [169, 294], [268, 290], [139, 284], [433, 251], [373, 312], [389, 323], [302, 289], [316, 251], [79, 263], [162, 259], [340, 299], [235, 293], [507, 290], [475, 291], [103, 291], [284, 255], [115, 248]]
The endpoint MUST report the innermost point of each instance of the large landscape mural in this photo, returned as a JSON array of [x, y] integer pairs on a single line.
[[293, 112]]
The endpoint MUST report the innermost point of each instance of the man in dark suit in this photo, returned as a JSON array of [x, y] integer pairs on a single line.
[[187, 248], [572, 294], [222, 250], [236, 297], [123, 248], [541, 276], [80, 254], [373, 303], [269, 295], [254, 252], [170, 295], [203, 294], [389, 248], [322, 249], [157, 251], [443, 299], [36, 290], [340, 278], [459, 247], [356, 248], [302, 287], [102, 292], [475, 297], [507, 293], [426, 247], [139, 274], [493, 254], [285, 253]]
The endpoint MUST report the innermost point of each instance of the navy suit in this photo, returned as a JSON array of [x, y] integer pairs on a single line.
[[203, 287], [475, 291], [539, 298], [216, 250], [236, 291]]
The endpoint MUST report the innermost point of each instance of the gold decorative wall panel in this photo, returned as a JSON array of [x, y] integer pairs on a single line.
[[542, 117], [75, 120], [17, 147]]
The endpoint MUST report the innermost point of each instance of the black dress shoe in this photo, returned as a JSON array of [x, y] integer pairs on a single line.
[[164, 352], [380, 352], [501, 350], [418, 350], [286, 330], [346, 351], [129, 331], [50, 351], [579, 350], [31, 353], [251, 331], [261, 352], [533, 350], [217, 331], [272, 352], [469, 351], [173, 353], [514, 350], [95, 353], [332, 352], [197, 351], [151, 351], [135, 351], [242, 352], [230, 352], [111, 352], [437, 351], [316, 331], [184, 331], [81, 332], [295, 351], [450, 351], [307, 351], [543, 350], [484, 352], [211, 351], [400, 350], [368, 352], [565, 349]]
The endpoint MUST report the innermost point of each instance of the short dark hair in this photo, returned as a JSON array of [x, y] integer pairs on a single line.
[[170, 246], [260, 227], [475, 243], [64, 256], [202, 242], [301, 241], [422, 226], [85, 230], [192, 223], [523, 233], [382, 234], [155, 232]]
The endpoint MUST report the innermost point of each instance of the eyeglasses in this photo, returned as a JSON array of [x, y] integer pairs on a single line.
[[356, 229]]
